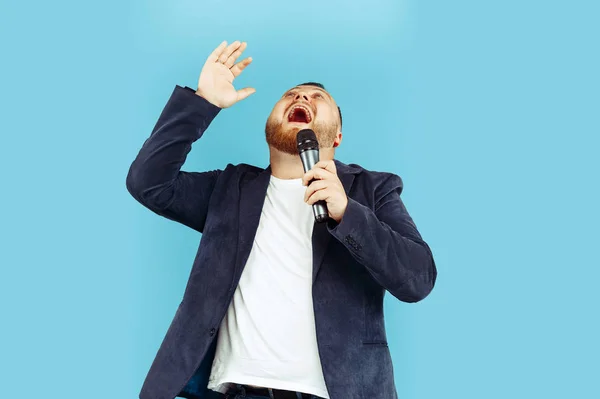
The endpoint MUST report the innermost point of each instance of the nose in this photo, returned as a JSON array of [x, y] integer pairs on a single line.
[[302, 96]]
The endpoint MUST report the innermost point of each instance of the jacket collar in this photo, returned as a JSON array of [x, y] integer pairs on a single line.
[[253, 194]]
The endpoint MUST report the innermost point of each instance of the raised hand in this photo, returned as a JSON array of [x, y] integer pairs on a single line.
[[220, 69]]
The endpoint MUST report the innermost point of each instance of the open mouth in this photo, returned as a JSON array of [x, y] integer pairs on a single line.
[[299, 114]]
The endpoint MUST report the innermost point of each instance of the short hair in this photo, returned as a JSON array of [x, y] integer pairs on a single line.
[[321, 86]]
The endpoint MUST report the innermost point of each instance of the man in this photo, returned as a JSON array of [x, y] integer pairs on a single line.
[[276, 305]]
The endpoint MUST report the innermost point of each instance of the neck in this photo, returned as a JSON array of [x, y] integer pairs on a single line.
[[288, 166]]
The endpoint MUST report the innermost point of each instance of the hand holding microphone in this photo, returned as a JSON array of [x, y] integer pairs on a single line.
[[325, 191]]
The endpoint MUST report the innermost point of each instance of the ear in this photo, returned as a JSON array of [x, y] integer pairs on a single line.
[[338, 140]]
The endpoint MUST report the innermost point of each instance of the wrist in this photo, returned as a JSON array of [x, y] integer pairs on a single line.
[[200, 93], [208, 98]]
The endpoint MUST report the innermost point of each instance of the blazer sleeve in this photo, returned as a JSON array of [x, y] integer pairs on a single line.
[[386, 241], [155, 178]]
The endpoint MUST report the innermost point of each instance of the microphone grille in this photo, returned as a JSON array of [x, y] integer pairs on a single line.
[[307, 140]]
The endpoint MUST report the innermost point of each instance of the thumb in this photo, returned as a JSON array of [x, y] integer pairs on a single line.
[[245, 92]]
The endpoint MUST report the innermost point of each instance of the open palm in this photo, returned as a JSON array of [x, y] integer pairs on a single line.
[[220, 69]]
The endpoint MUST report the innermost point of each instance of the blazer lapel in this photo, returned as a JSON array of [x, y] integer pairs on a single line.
[[252, 198], [321, 235]]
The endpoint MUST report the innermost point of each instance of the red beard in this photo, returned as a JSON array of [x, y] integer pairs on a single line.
[[284, 138]]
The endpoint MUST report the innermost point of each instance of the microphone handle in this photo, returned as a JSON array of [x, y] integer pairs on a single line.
[[309, 159]]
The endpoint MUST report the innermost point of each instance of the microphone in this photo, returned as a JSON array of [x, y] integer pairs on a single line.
[[308, 149]]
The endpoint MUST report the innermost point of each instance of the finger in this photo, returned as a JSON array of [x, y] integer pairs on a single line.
[[320, 195], [316, 173], [228, 51], [214, 56], [314, 187], [238, 68], [327, 165], [245, 92], [235, 55]]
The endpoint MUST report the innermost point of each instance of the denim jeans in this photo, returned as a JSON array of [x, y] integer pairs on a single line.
[[238, 392]]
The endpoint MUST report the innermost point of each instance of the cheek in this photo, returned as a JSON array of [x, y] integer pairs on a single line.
[[277, 112], [280, 110], [325, 114]]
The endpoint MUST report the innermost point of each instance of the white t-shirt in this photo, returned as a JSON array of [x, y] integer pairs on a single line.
[[268, 336]]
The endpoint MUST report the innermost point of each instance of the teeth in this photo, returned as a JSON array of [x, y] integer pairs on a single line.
[[306, 111]]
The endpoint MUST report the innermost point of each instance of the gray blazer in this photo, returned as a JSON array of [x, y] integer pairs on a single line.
[[375, 248]]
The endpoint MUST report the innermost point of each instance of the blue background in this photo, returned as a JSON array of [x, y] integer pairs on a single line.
[[488, 111]]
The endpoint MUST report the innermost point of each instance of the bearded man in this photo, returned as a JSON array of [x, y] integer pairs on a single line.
[[277, 305]]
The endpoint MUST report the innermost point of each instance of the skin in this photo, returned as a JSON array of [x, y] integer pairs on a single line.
[[215, 84]]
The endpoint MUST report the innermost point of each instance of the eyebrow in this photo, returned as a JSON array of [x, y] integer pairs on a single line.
[[312, 87]]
